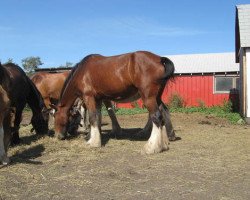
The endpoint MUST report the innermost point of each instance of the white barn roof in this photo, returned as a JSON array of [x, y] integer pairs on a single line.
[[242, 28], [204, 63]]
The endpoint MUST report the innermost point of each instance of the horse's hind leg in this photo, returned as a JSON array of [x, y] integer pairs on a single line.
[[158, 140], [94, 109], [116, 129], [168, 124], [167, 121]]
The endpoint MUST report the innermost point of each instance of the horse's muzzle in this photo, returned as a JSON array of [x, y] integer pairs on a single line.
[[60, 136]]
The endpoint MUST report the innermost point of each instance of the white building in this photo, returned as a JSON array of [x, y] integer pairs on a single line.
[[242, 53]]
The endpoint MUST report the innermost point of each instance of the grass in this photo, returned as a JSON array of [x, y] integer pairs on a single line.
[[223, 111], [218, 111]]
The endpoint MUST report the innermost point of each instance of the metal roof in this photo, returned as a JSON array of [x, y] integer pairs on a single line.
[[204, 63], [242, 28], [191, 63]]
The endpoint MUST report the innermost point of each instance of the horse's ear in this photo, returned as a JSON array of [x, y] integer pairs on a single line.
[[53, 106]]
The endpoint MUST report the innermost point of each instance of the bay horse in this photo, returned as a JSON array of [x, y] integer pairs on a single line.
[[124, 77], [21, 91], [50, 86]]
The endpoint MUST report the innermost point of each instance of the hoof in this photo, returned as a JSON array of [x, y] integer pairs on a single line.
[[148, 149], [174, 138], [61, 136], [5, 160], [94, 144]]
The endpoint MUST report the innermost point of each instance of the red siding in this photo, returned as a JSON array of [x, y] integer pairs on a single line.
[[192, 89]]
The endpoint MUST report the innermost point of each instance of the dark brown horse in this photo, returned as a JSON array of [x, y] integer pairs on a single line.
[[21, 90], [119, 78]]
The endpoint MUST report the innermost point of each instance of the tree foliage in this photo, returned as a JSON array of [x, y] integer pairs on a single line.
[[31, 63]]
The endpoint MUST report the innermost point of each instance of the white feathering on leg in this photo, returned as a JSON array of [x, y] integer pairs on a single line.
[[154, 144], [95, 137]]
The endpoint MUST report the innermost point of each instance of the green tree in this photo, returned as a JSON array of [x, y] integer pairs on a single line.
[[31, 63], [10, 60]]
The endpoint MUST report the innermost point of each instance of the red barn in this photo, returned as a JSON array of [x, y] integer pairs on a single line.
[[202, 79]]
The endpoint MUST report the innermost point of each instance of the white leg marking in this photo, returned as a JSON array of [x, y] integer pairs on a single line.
[[84, 122], [95, 137], [165, 140], [3, 156], [52, 118], [155, 143]]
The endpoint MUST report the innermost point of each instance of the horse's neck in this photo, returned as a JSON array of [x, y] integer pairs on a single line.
[[67, 100], [68, 95]]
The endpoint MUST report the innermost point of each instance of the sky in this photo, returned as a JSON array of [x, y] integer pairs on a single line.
[[60, 31]]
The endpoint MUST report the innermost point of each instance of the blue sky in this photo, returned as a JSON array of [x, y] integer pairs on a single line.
[[60, 31]]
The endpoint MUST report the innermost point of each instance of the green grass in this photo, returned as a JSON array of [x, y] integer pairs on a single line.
[[218, 111]]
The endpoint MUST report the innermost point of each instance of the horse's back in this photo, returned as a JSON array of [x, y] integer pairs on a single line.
[[50, 84], [121, 74]]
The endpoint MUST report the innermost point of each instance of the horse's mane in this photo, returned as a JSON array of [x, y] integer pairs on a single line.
[[68, 78], [73, 71]]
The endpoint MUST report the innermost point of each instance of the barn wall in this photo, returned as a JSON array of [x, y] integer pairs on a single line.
[[192, 89], [195, 89]]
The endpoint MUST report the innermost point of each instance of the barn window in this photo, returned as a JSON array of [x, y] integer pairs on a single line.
[[225, 84]]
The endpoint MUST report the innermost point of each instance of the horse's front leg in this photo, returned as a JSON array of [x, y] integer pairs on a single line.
[[94, 109]]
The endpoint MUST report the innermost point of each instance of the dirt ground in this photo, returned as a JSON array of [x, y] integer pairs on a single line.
[[211, 161]]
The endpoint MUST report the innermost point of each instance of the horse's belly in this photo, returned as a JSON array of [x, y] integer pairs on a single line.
[[127, 99]]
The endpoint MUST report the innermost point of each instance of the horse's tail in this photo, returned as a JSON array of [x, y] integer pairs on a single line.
[[169, 68]]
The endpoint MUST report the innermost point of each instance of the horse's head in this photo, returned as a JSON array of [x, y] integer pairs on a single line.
[[66, 121], [61, 121], [46, 112], [74, 119]]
